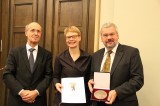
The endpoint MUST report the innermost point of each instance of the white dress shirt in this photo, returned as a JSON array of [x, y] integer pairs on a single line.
[[112, 56], [34, 52]]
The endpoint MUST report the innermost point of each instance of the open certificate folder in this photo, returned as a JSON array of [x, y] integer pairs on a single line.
[[101, 87], [73, 90]]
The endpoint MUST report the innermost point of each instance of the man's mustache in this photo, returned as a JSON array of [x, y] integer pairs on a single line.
[[110, 40]]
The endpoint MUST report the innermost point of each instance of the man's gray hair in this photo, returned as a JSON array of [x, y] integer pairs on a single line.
[[108, 25], [27, 26]]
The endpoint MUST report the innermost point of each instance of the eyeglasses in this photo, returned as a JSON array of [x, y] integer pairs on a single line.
[[73, 37]]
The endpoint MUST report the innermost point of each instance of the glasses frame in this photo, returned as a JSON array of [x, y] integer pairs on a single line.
[[72, 36]]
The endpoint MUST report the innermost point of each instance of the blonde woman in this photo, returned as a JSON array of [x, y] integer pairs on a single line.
[[73, 62]]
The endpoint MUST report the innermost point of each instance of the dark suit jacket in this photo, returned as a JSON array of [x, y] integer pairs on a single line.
[[18, 75], [126, 72]]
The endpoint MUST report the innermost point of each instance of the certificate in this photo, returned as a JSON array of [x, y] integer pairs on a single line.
[[73, 90], [101, 87]]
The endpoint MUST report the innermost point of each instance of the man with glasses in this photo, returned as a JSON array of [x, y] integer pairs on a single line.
[[126, 70]]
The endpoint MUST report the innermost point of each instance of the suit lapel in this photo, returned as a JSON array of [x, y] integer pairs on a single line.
[[118, 56], [99, 60], [25, 57]]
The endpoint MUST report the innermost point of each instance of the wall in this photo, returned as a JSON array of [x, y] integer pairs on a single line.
[[138, 23]]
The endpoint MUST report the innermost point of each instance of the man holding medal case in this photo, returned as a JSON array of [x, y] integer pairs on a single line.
[[125, 75]]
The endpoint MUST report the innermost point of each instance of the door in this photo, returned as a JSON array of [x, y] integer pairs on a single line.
[[79, 13], [22, 13], [3, 46]]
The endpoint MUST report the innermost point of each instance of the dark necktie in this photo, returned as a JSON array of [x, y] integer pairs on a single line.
[[31, 59], [106, 66]]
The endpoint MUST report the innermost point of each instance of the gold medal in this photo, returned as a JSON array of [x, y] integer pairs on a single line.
[[100, 94]]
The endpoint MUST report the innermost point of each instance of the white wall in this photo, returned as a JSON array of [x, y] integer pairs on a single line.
[[138, 22]]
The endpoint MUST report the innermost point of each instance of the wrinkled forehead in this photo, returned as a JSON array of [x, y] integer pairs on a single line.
[[33, 26]]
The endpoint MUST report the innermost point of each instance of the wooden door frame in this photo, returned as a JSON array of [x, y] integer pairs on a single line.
[[5, 30], [91, 26], [5, 11]]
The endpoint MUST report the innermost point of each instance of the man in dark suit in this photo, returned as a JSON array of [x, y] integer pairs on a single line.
[[126, 69], [28, 85]]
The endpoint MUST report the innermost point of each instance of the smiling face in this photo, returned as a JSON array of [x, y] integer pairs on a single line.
[[109, 37], [72, 39], [33, 33], [73, 36]]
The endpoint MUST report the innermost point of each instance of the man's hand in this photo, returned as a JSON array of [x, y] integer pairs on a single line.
[[59, 87], [24, 93], [29, 96], [90, 85], [111, 97]]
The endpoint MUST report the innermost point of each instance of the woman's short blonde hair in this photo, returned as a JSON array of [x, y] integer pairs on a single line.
[[72, 29]]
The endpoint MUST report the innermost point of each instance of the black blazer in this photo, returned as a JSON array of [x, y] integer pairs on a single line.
[[126, 72], [18, 75]]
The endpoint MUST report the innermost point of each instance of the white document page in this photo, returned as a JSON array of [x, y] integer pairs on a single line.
[[73, 90]]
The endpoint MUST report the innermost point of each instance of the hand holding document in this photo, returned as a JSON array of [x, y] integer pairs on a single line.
[[73, 90]]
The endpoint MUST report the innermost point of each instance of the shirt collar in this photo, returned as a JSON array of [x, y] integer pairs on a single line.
[[82, 53], [113, 50], [28, 47]]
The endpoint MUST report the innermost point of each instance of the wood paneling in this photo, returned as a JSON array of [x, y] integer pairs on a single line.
[[1, 97], [22, 40], [67, 13], [22, 13], [91, 26], [61, 46], [4, 7], [49, 25], [0, 19]]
